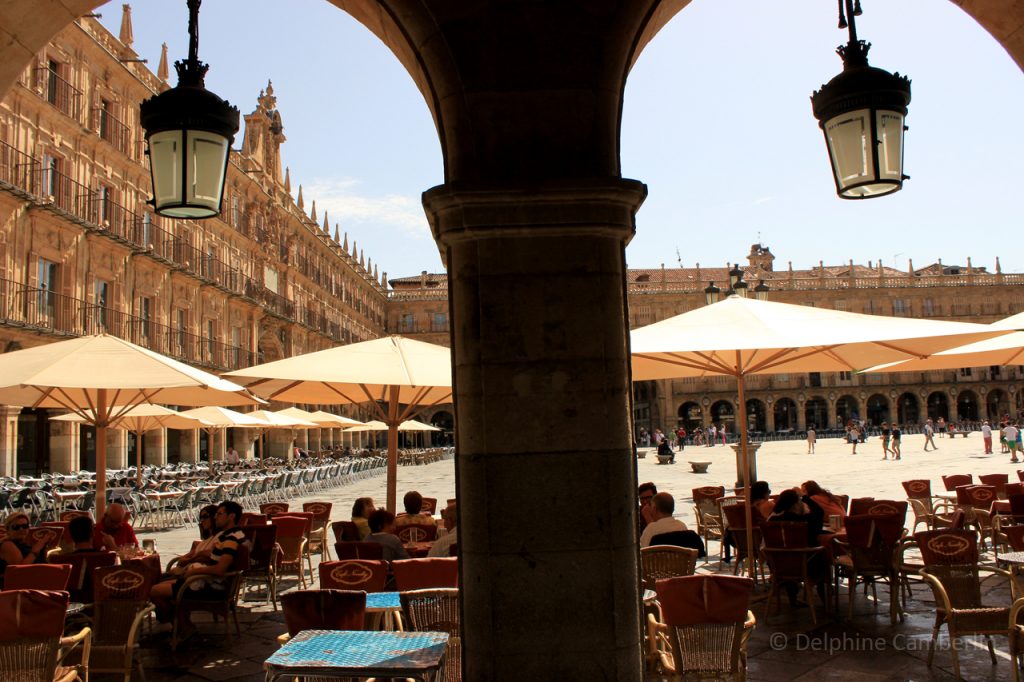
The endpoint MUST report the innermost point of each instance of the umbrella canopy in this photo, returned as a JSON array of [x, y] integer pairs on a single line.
[[276, 420], [222, 417], [1002, 350], [392, 370], [372, 425], [140, 419], [413, 425], [100, 377], [320, 418], [740, 336], [1011, 323], [746, 336]]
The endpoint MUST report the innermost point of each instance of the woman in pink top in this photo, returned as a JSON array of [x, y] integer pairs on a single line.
[[831, 504]]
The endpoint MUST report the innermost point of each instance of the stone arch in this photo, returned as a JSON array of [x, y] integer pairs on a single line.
[[938, 405], [847, 408], [269, 347], [757, 415], [444, 420], [816, 412], [784, 412], [691, 416], [996, 404], [968, 407], [877, 409], [908, 410], [724, 412]]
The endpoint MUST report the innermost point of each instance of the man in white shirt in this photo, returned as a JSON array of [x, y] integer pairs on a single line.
[[1010, 434], [442, 546], [662, 507], [986, 435]]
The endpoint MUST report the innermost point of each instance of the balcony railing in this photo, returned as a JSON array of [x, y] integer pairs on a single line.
[[111, 129], [59, 92]]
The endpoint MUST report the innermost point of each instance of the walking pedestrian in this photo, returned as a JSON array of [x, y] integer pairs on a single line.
[[929, 435], [986, 436], [1010, 432], [885, 440], [812, 437], [854, 436], [897, 435], [941, 424]]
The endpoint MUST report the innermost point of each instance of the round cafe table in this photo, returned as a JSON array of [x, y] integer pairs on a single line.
[[418, 550]]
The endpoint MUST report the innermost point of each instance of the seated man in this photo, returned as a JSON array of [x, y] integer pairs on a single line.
[[114, 531], [228, 540], [663, 505], [413, 503], [81, 529], [382, 531], [442, 546]]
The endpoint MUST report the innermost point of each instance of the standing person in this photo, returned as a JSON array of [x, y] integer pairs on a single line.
[[812, 438], [885, 440], [712, 435], [941, 423], [896, 436], [1010, 432], [986, 436], [681, 438], [722, 433], [929, 434], [854, 436], [232, 456]]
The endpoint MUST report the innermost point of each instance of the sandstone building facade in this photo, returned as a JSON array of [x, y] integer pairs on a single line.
[[81, 251]]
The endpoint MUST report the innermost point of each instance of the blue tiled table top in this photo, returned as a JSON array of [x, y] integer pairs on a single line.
[[358, 653], [383, 600]]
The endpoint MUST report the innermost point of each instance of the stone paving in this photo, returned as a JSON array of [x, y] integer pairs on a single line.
[[785, 646]]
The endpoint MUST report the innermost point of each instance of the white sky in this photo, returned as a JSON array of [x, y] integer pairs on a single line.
[[717, 121]]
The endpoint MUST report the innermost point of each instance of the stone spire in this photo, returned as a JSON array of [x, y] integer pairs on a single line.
[[125, 36], [162, 72], [287, 180], [313, 214], [999, 268], [376, 275], [344, 244], [384, 280], [355, 249], [910, 267], [336, 234], [327, 225], [299, 202], [369, 265], [362, 260]]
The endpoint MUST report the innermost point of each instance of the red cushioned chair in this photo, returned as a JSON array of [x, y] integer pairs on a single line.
[[421, 574], [37, 577], [354, 574], [323, 610]]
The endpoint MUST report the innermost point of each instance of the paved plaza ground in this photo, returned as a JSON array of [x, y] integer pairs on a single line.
[[785, 646]]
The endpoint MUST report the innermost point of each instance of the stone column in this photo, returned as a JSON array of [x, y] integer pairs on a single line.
[[244, 443], [188, 446], [64, 446], [540, 360], [279, 443], [9, 440], [117, 449], [215, 445], [155, 451], [769, 416], [801, 415]]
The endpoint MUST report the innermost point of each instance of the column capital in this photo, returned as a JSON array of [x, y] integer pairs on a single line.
[[461, 211]]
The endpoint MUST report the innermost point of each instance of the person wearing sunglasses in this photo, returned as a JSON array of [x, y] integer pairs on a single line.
[[207, 539], [17, 549]]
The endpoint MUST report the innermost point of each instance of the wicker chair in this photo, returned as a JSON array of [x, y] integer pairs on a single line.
[[872, 548], [121, 603], [792, 560], [37, 577], [345, 531], [322, 610], [666, 561], [272, 508], [437, 610], [997, 480], [709, 515], [421, 574], [321, 512], [263, 550], [952, 481], [32, 642], [705, 628], [291, 538], [354, 574], [224, 604], [958, 604], [429, 505], [736, 520], [82, 566]]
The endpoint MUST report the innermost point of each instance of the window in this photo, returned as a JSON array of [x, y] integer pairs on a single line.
[[846, 376], [901, 307], [841, 304], [236, 346], [145, 318], [147, 228], [181, 322], [50, 175], [47, 283], [236, 211], [104, 205], [270, 278], [211, 338], [105, 116], [928, 308], [870, 306], [406, 323], [815, 379], [965, 371], [439, 322], [53, 69], [102, 294]]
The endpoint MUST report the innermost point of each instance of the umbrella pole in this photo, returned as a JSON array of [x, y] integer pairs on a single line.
[[138, 458], [102, 415], [393, 449], [745, 463]]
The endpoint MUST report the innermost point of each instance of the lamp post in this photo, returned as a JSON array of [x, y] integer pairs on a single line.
[[761, 291], [861, 111], [189, 131], [712, 293]]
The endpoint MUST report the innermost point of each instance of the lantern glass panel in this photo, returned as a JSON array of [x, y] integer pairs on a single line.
[[208, 156], [890, 148], [848, 138], [165, 162]]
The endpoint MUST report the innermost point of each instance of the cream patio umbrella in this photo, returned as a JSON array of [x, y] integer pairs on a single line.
[[1011, 323], [140, 419], [389, 373], [740, 336], [1007, 349], [276, 420], [221, 418], [100, 378], [321, 419]]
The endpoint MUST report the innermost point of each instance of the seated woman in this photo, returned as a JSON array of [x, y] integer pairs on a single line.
[[200, 552], [791, 507], [829, 503], [16, 549], [361, 511], [760, 507], [382, 523]]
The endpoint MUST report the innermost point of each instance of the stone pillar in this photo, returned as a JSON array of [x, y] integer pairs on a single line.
[[155, 451], [537, 299], [801, 415], [245, 442], [9, 440], [769, 416], [188, 446], [833, 415], [64, 447], [216, 445], [117, 449], [279, 443]]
